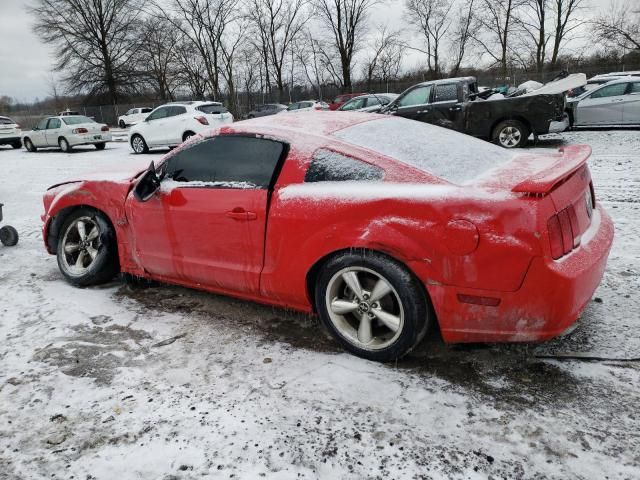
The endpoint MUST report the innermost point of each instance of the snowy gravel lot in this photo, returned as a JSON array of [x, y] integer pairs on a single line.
[[125, 382]]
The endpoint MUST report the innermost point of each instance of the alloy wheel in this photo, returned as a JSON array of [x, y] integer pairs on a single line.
[[138, 144], [364, 308], [510, 136], [81, 243]]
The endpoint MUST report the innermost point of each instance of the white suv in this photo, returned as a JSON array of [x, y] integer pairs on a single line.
[[133, 116], [171, 124]]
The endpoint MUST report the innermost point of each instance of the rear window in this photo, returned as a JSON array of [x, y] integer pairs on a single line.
[[76, 120], [6, 121], [212, 108], [450, 155]]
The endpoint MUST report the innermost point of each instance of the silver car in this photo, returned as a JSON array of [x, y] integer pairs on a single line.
[[371, 102], [614, 103], [265, 110]]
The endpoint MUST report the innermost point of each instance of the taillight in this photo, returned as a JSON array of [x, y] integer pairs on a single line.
[[202, 120], [318, 107], [104, 129], [563, 232], [18, 126], [80, 130]]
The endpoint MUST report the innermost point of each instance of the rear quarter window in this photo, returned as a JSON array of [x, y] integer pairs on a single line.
[[329, 166]]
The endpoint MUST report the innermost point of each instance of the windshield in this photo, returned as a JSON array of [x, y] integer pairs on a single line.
[[450, 155], [77, 120]]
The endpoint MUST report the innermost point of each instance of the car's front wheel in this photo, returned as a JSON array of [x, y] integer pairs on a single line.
[[372, 305], [64, 145], [511, 134], [28, 144], [138, 144], [87, 250]]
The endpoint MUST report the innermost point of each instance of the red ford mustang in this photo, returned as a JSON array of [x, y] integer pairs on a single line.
[[381, 225]]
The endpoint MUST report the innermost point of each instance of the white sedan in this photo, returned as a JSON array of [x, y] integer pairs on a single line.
[[66, 132], [133, 116], [171, 124], [9, 133]]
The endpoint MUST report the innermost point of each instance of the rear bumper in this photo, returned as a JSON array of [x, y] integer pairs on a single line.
[[8, 140], [549, 301], [89, 139]]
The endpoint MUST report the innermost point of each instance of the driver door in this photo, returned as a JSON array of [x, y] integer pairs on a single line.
[[415, 104], [38, 135], [604, 106], [52, 133], [155, 125], [206, 225]]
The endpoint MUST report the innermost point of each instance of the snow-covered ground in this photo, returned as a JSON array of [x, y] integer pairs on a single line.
[[166, 383]]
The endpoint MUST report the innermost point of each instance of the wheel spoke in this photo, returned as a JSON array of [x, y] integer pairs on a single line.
[[391, 321], [93, 234], [381, 289], [71, 247], [81, 230], [80, 260], [92, 252], [351, 279], [340, 307], [364, 329]]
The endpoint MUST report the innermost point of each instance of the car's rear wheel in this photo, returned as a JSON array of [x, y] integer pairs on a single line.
[[87, 250], [101, 145], [187, 136], [121, 124], [8, 236], [64, 145], [138, 144], [17, 144], [372, 305], [511, 134], [28, 144]]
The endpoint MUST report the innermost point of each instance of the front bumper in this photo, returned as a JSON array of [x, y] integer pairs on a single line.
[[89, 138], [561, 126], [550, 300]]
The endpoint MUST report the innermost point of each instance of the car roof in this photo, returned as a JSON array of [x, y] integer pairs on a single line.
[[623, 80], [449, 80]]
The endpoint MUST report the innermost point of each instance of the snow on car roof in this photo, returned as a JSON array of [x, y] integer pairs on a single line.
[[313, 123], [450, 155]]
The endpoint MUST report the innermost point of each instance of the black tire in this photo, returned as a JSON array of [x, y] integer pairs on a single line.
[[105, 265], [187, 136], [8, 236], [407, 291], [63, 143], [100, 146], [511, 134], [250, 116], [17, 144], [28, 144], [138, 144], [121, 124]]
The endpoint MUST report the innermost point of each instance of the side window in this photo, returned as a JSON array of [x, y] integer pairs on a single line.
[[610, 91], [305, 105], [227, 162], [42, 124], [446, 93], [417, 96], [159, 113], [635, 87], [293, 106], [354, 104], [176, 110], [145, 110], [53, 123], [371, 101], [329, 166]]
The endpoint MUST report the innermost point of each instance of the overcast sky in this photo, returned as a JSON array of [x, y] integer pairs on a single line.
[[26, 63]]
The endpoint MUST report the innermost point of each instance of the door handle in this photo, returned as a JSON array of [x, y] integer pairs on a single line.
[[426, 110], [240, 213], [455, 109]]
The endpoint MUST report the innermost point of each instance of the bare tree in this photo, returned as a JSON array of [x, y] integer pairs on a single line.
[[461, 36], [620, 26], [532, 22], [311, 57], [346, 22], [566, 20], [431, 18], [94, 42], [157, 56], [278, 23], [497, 20], [191, 70], [385, 57]]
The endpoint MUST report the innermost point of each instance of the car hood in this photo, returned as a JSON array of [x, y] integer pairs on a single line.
[[124, 176]]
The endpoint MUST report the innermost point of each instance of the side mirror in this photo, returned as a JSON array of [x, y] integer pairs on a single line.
[[147, 185]]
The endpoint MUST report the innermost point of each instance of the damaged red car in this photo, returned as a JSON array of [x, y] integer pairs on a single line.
[[383, 226]]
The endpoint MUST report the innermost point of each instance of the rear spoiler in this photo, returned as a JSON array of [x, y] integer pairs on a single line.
[[569, 162]]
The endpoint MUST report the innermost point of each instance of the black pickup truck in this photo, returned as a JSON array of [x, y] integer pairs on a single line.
[[455, 103]]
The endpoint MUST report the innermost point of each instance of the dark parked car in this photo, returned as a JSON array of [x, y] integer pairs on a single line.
[[267, 109], [454, 103]]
